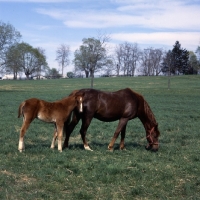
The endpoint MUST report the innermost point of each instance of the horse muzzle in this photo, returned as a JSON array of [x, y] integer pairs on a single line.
[[152, 147]]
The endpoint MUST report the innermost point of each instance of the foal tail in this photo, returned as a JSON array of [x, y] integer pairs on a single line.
[[20, 109]]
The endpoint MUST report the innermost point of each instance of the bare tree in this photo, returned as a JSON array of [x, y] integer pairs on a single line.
[[157, 58], [109, 66], [127, 55], [151, 60], [118, 58], [62, 57], [146, 63]]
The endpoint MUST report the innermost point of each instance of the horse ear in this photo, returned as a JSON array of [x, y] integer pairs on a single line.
[[79, 96]]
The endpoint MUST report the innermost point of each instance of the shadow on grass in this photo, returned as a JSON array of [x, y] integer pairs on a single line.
[[99, 145], [93, 145], [37, 145]]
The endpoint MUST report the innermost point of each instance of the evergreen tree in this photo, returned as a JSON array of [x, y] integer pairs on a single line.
[[180, 59]]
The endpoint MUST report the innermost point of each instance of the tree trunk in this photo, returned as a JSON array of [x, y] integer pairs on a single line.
[[92, 79], [168, 82], [169, 76], [86, 74]]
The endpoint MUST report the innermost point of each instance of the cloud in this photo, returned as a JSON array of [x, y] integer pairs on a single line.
[[174, 16], [37, 1], [188, 40]]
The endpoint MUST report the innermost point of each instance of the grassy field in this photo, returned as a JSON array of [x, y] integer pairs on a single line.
[[42, 173]]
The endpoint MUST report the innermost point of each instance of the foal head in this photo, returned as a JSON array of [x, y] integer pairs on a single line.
[[80, 103]]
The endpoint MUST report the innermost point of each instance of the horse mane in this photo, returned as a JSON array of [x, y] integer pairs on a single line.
[[149, 112], [73, 92], [145, 108]]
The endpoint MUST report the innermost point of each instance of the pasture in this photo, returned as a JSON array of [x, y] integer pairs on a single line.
[[42, 173]]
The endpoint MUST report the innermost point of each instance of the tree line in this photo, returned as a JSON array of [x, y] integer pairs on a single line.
[[94, 55], [128, 59]]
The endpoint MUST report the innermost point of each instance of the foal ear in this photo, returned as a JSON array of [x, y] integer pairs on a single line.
[[79, 95]]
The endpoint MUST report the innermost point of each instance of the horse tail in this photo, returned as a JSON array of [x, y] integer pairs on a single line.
[[20, 109]]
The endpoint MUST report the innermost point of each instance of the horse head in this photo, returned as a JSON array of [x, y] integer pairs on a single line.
[[152, 138], [79, 99]]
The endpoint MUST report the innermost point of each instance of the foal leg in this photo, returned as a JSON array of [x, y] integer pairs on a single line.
[[59, 135], [24, 127], [55, 135], [120, 127], [123, 132]]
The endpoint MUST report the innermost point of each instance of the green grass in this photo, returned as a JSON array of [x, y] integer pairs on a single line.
[[42, 173]]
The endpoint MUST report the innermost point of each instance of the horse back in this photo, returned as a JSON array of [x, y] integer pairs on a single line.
[[110, 106]]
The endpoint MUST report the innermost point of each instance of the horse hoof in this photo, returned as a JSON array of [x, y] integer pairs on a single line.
[[21, 150], [148, 147], [110, 149], [154, 150], [122, 148], [88, 148]]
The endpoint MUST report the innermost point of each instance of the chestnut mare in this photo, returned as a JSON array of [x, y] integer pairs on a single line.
[[122, 105], [57, 112]]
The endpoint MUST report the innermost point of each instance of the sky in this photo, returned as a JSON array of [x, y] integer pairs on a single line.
[[157, 23]]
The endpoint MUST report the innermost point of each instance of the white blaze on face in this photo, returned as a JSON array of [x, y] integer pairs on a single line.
[[81, 104]]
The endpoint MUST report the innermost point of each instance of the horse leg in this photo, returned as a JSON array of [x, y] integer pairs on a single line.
[[68, 128], [83, 130], [55, 135], [123, 132], [120, 127], [24, 127], [59, 135]]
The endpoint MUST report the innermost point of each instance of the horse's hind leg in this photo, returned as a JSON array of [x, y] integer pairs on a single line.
[[59, 128], [55, 135], [120, 127], [24, 127]]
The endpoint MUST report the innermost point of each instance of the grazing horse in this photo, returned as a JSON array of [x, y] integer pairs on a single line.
[[122, 105], [57, 112]]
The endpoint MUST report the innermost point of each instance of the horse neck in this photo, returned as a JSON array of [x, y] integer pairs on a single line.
[[147, 118], [69, 102]]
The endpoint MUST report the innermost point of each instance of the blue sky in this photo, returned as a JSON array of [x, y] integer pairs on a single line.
[[155, 23]]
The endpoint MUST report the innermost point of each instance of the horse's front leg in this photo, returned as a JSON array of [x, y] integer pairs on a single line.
[[68, 128], [123, 133], [55, 135], [120, 127], [83, 131]]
